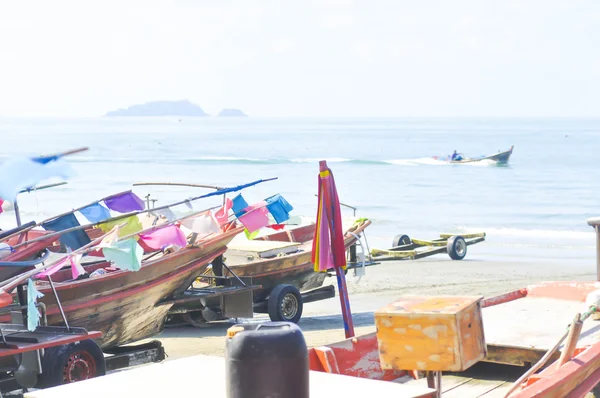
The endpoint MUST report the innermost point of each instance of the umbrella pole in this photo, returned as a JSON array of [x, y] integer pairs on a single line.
[[345, 303]]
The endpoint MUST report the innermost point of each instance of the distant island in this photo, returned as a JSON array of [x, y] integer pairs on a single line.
[[161, 108], [231, 112]]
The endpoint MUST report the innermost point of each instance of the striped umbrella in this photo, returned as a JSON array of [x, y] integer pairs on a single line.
[[328, 250]]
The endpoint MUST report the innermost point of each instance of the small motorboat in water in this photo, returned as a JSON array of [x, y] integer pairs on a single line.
[[499, 158]]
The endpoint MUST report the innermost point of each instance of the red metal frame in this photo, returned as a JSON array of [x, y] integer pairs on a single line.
[[64, 339]]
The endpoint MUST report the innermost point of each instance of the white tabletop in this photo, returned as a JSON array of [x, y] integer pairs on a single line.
[[202, 375]]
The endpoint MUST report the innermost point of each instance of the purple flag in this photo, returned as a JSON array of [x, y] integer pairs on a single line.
[[125, 203]]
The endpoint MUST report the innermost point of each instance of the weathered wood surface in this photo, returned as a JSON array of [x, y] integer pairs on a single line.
[[536, 323], [153, 381], [259, 249], [430, 333]]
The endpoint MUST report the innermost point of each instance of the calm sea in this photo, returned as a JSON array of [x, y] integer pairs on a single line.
[[533, 209]]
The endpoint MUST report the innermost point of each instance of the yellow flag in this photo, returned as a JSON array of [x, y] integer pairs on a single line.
[[133, 225]]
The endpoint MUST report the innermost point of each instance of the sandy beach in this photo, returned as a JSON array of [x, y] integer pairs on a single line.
[[382, 284]]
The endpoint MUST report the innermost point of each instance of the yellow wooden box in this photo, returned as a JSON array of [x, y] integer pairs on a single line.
[[435, 333]]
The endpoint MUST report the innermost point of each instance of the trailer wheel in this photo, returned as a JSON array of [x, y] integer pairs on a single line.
[[195, 319], [400, 240], [457, 248], [70, 363], [285, 304]]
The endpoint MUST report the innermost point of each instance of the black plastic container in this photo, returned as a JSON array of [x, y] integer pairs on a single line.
[[266, 360]]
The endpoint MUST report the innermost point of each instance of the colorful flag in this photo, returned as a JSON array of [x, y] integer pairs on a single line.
[[202, 224], [255, 217], [95, 213], [166, 213], [125, 254], [52, 270], [19, 173], [110, 237], [132, 226], [33, 315], [250, 235], [75, 263], [163, 237], [238, 204], [74, 239], [279, 208], [125, 203], [222, 215]]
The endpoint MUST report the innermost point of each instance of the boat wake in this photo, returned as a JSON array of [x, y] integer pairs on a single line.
[[428, 161]]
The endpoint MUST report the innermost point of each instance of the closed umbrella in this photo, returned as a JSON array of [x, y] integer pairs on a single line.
[[328, 249]]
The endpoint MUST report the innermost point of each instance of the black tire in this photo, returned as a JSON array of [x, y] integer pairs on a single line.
[[195, 319], [400, 240], [457, 247], [70, 363], [285, 304]]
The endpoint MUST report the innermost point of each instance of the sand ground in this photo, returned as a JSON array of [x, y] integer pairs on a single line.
[[382, 284]]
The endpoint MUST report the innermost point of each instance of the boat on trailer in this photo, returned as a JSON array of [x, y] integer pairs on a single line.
[[281, 264], [123, 304], [279, 261], [127, 306], [501, 157]]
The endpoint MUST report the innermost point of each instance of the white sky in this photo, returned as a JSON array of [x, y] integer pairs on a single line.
[[302, 58]]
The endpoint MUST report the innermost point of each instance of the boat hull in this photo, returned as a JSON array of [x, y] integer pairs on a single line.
[[499, 158], [26, 252], [123, 304], [296, 269], [360, 356]]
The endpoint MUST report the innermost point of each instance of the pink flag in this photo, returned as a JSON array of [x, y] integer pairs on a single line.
[[222, 215], [52, 270], [163, 237], [255, 216], [76, 268]]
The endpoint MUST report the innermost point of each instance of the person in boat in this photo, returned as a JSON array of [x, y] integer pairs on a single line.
[[456, 156]]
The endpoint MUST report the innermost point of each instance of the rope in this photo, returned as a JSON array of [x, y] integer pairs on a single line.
[[547, 356]]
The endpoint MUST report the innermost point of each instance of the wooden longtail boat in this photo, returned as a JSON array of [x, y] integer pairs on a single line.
[[295, 267], [27, 245], [499, 158], [281, 264], [122, 304], [519, 328]]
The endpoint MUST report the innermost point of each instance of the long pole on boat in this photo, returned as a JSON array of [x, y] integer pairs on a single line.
[[38, 188], [233, 189]]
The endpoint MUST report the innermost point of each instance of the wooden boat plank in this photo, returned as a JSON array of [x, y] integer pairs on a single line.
[[517, 356], [260, 248], [535, 323], [475, 387], [149, 381], [455, 386]]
